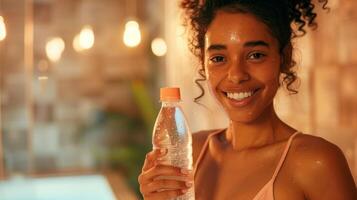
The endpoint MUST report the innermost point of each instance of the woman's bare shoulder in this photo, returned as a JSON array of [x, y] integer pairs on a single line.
[[314, 153], [307, 145], [320, 167]]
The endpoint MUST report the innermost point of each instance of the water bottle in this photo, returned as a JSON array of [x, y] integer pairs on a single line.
[[171, 132]]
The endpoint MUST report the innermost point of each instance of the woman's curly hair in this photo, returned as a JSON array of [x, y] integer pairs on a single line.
[[286, 20]]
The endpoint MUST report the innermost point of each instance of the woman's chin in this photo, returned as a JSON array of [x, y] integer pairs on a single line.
[[245, 118]]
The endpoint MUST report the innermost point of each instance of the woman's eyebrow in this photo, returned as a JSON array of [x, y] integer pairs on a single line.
[[216, 47], [256, 43], [247, 44]]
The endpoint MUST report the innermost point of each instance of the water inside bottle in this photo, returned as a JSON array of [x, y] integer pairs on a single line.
[[171, 132]]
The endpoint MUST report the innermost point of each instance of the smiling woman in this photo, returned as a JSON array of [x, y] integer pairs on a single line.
[[244, 48]]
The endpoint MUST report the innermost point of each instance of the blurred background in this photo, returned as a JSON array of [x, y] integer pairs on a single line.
[[79, 91]]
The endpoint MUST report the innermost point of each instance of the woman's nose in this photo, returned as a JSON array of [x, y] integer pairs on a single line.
[[237, 73]]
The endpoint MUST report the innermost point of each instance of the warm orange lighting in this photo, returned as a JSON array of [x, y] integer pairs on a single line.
[[2, 29], [55, 48], [132, 35], [43, 65], [76, 45], [41, 78], [84, 40], [86, 37], [158, 47]]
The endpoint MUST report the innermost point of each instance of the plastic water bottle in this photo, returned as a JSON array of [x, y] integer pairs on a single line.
[[171, 132]]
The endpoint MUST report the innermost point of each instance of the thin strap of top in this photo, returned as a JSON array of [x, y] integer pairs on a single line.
[[203, 149], [282, 159]]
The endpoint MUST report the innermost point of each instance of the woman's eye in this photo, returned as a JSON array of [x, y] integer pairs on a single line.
[[217, 59], [256, 56]]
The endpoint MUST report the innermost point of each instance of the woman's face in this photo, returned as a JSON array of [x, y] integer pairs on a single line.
[[242, 63]]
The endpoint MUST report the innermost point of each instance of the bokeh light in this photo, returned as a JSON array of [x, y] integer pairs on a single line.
[[55, 48], [2, 29], [132, 35], [158, 47]]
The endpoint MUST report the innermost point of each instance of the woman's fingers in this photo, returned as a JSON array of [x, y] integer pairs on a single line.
[[164, 195], [158, 181], [151, 157], [166, 184], [163, 170]]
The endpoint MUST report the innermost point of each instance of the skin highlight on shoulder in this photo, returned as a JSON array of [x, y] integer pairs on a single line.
[[320, 168]]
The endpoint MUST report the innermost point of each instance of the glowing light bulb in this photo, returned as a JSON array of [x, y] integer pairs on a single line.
[[132, 35], [2, 29], [86, 38], [55, 48], [158, 47]]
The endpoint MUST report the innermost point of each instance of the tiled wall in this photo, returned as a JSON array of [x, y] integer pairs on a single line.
[[79, 90]]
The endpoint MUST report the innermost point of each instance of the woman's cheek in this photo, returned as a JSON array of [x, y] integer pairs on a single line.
[[214, 78], [272, 86], [215, 73]]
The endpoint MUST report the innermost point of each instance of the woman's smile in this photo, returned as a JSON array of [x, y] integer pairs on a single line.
[[240, 98]]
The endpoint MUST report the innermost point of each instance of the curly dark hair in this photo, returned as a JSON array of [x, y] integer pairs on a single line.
[[286, 20]]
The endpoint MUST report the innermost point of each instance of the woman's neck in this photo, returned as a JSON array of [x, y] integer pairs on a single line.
[[265, 130]]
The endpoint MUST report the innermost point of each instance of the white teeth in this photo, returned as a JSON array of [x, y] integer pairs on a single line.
[[239, 95]]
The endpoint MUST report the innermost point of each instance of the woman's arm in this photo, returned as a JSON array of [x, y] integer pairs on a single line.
[[322, 171]]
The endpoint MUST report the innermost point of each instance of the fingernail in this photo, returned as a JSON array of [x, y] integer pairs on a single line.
[[162, 151], [184, 190]]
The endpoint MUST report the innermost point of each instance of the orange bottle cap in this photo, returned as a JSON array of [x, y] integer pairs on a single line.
[[170, 93]]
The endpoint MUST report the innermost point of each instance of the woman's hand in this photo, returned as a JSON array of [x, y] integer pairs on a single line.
[[155, 187]]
